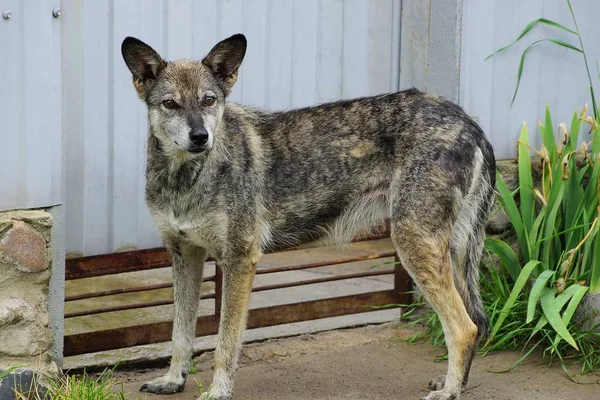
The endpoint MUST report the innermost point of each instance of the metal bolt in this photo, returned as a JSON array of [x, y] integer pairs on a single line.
[[56, 12], [6, 14]]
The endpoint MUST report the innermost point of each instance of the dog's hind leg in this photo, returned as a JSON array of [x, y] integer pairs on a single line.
[[188, 266], [238, 275], [423, 214]]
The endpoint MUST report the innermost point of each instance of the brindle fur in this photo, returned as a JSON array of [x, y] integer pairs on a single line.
[[269, 180]]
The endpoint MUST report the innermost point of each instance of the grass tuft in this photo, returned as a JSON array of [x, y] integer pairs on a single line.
[[71, 387]]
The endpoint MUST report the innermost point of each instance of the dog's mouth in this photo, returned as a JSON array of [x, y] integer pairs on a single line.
[[192, 148], [196, 149]]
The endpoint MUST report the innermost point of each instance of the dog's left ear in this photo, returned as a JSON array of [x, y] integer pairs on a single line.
[[225, 59]]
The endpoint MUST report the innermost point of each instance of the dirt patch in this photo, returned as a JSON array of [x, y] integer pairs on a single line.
[[369, 363]]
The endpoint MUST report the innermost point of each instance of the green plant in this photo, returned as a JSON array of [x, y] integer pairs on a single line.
[[557, 242], [203, 392], [83, 387], [553, 25], [193, 367], [10, 370]]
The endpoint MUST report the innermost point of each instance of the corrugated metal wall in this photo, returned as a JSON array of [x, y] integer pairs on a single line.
[[300, 52], [30, 105], [552, 76]]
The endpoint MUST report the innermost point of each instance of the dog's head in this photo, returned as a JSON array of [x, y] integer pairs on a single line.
[[185, 98]]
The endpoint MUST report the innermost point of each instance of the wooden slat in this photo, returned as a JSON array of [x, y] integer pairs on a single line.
[[106, 264], [261, 317], [141, 260]]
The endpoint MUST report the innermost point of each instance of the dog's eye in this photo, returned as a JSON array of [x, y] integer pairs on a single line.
[[208, 100], [170, 104]]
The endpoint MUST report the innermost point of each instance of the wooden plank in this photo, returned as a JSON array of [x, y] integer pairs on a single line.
[[117, 338], [141, 260], [106, 264]]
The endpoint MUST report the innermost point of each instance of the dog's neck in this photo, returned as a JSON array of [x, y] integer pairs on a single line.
[[172, 167]]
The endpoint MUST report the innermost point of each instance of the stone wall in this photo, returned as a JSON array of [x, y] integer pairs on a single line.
[[25, 270]]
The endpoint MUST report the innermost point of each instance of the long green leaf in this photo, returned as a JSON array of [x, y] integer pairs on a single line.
[[571, 203], [551, 312], [595, 275], [568, 314], [587, 259], [529, 27], [534, 233], [510, 207], [514, 294], [505, 253], [548, 136], [536, 292], [575, 129], [526, 195], [561, 300], [522, 62], [554, 202]]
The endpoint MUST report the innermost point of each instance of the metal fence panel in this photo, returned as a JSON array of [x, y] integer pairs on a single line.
[[30, 105]]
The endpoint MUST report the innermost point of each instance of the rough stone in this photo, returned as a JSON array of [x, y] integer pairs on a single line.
[[5, 226], [25, 339], [588, 312], [26, 246], [26, 382], [23, 328], [14, 310]]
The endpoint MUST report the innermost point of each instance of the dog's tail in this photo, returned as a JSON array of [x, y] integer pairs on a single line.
[[468, 239]]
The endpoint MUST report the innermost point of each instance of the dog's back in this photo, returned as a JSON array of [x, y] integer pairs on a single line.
[[329, 168]]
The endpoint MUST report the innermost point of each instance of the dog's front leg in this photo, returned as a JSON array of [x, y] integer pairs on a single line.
[[188, 266], [238, 274]]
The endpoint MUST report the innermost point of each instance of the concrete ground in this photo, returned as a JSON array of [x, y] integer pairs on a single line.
[[361, 363], [368, 363]]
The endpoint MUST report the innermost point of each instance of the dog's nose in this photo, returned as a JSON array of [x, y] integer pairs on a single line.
[[199, 136]]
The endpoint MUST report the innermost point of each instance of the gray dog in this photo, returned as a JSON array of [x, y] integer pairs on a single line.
[[233, 182]]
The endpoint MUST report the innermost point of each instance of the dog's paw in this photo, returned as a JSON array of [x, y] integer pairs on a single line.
[[437, 383], [441, 395], [164, 385]]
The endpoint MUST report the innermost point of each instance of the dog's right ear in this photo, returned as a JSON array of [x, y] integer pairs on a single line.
[[225, 59], [144, 63]]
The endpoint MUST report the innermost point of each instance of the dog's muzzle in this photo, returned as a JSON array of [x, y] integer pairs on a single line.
[[198, 139]]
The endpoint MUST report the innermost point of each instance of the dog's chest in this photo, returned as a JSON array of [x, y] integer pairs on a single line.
[[204, 230]]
